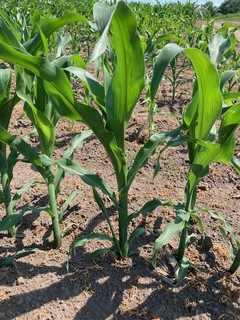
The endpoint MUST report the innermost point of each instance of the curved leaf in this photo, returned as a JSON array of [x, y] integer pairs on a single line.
[[84, 239], [172, 229]]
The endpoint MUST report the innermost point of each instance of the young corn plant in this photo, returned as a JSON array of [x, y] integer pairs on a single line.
[[9, 157], [116, 100], [7, 161], [198, 123], [40, 110]]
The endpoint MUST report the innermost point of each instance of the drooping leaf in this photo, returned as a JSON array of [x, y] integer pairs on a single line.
[[230, 122], [172, 229], [9, 221], [169, 52], [148, 150], [9, 260], [84, 239], [218, 46], [49, 27]]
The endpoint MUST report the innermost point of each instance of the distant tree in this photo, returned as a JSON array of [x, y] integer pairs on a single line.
[[229, 6]]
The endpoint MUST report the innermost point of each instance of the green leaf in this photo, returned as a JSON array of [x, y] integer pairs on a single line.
[[69, 200], [148, 150], [76, 142], [9, 35], [95, 87], [218, 46], [72, 167], [5, 84], [135, 234], [236, 164], [102, 15], [199, 223], [9, 260], [149, 207], [208, 104], [169, 52], [170, 37], [19, 193], [49, 27], [172, 229], [56, 82], [183, 270], [44, 40], [211, 152], [63, 41], [227, 75], [10, 221], [31, 155], [101, 252], [128, 78], [3, 162], [45, 128], [84, 239], [230, 122]]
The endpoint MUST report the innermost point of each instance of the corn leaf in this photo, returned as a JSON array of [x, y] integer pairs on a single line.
[[7, 35], [9, 260], [49, 27], [166, 55], [9, 221], [218, 46], [102, 15], [172, 229], [72, 167], [148, 150], [208, 103], [128, 78], [31, 155], [228, 75], [230, 122], [5, 83], [84, 239]]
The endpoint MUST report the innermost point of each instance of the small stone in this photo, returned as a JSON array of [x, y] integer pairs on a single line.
[[203, 187], [20, 281]]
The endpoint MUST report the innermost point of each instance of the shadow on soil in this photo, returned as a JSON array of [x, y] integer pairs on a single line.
[[130, 289], [124, 290]]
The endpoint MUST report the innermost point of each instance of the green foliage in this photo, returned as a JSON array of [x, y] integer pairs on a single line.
[[39, 40], [229, 6]]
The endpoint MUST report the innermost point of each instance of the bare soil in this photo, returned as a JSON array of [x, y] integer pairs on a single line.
[[38, 285]]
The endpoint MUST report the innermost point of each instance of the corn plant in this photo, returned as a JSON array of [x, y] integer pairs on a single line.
[[7, 161], [116, 101], [198, 122], [40, 110]]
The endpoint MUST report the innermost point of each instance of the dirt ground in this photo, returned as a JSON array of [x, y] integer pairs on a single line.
[[38, 285]]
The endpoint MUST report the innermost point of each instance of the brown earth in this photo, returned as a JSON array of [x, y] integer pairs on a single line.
[[38, 286]]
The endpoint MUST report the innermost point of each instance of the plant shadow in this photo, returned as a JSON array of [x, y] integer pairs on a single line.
[[130, 289]]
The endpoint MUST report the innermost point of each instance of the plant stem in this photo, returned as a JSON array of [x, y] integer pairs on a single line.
[[55, 217], [189, 205], [236, 262], [182, 243], [123, 224], [7, 199]]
